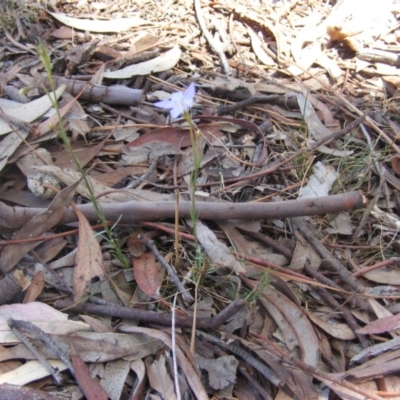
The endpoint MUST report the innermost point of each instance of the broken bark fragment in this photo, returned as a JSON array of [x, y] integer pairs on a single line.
[[115, 94]]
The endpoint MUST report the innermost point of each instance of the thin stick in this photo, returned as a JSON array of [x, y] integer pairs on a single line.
[[49, 368], [186, 296], [160, 318]]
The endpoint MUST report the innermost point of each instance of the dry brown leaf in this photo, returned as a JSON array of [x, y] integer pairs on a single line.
[[297, 381], [85, 154], [294, 325], [111, 178], [159, 378], [335, 329], [384, 364], [240, 243], [257, 46], [395, 162], [304, 252], [40, 156], [139, 369], [161, 63], [35, 288], [69, 176], [45, 317], [190, 372], [29, 372], [90, 387], [89, 259], [381, 325], [50, 248], [342, 391], [114, 377], [39, 224], [385, 275], [178, 137], [222, 371], [148, 274], [217, 251], [29, 112]]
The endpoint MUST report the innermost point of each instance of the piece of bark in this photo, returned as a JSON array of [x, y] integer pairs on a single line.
[[12, 285], [115, 94]]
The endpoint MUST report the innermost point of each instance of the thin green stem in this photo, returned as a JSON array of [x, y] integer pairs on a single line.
[[196, 152], [62, 133]]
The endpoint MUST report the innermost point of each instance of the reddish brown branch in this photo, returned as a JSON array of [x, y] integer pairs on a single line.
[[133, 211]]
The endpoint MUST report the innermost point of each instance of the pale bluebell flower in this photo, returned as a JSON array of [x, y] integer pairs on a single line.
[[179, 102]]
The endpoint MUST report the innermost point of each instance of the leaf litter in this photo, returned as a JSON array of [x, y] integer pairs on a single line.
[[297, 200]]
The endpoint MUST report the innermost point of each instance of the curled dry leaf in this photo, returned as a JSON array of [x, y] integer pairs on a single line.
[[164, 62], [101, 26], [217, 251], [30, 111], [139, 369], [257, 46]]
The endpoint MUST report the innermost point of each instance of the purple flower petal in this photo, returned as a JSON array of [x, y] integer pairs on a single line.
[[163, 104], [179, 102]]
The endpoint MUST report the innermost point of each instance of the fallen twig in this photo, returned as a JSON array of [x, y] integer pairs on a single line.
[[134, 211], [18, 326], [160, 318]]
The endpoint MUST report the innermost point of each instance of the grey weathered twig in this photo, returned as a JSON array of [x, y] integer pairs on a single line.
[[18, 326], [134, 211], [159, 318]]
